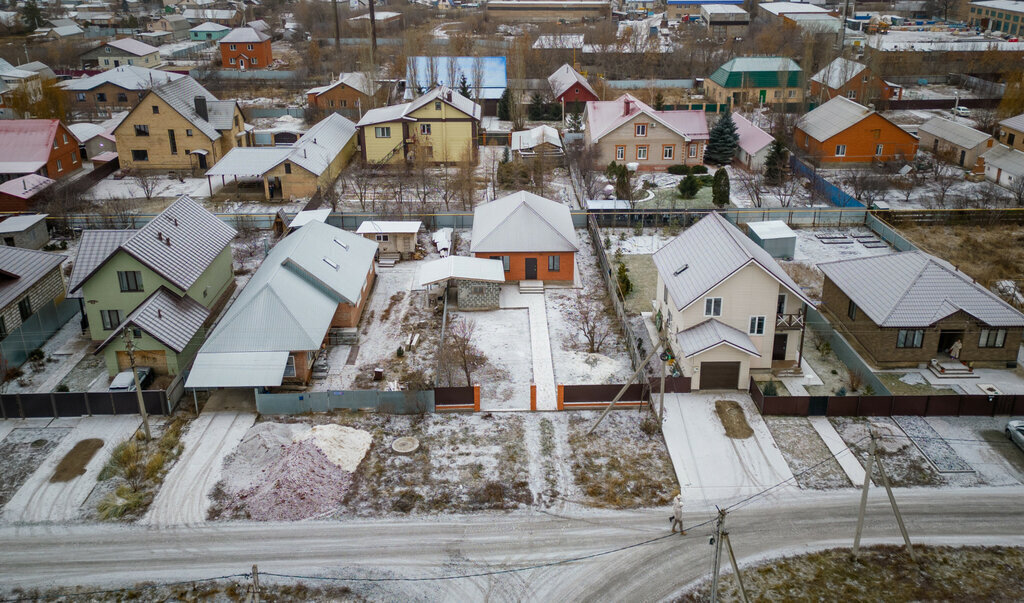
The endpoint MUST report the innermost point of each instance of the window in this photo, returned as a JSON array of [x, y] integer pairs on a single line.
[[140, 155], [778, 94], [60, 167], [382, 131], [232, 47], [668, 151], [692, 152], [879, 148], [909, 338], [756, 325], [289, 367], [620, 153], [992, 338], [383, 238], [106, 50], [156, 109], [74, 156], [504, 261], [287, 168], [172, 142], [130, 280], [141, 130], [851, 310], [122, 97], [252, 61], [780, 308], [851, 94], [840, 150], [188, 132], [476, 290], [1010, 138], [792, 94], [554, 263], [713, 306], [248, 46], [344, 103], [425, 129], [331, 103], [81, 97], [3, 328], [110, 318], [640, 129], [437, 105], [231, 60], [641, 151], [865, 78], [65, 138], [25, 308]]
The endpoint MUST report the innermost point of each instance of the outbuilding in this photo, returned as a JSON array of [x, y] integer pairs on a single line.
[[395, 239], [775, 237], [477, 281], [28, 231]]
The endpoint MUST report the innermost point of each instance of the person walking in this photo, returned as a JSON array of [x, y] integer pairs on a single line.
[[677, 515]]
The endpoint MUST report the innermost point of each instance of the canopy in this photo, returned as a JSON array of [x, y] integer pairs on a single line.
[[461, 267], [237, 369]]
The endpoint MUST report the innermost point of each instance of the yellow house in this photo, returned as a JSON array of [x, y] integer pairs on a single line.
[[442, 124], [180, 126]]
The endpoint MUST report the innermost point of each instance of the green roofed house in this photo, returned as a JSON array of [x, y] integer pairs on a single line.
[[164, 282], [756, 81]]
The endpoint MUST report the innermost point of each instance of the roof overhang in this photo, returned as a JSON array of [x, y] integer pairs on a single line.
[[237, 369]]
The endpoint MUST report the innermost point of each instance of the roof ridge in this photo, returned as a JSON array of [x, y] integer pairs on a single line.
[[909, 284]]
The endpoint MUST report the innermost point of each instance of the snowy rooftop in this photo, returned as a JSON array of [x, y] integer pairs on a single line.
[[460, 267], [392, 226], [771, 229]]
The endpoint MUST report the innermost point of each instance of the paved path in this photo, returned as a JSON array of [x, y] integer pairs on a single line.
[[184, 497], [540, 343], [844, 456]]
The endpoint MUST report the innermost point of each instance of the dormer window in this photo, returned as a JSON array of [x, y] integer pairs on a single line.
[[640, 129]]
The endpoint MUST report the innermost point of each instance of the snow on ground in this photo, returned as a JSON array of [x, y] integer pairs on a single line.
[[41, 499], [630, 243], [65, 349], [504, 338], [982, 443], [24, 446], [540, 342], [740, 196], [127, 188], [811, 249], [184, 497]]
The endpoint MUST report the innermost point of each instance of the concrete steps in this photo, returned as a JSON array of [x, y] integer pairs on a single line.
[[531, 287], [950, 369]]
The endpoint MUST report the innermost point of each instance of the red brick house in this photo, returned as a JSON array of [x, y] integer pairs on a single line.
[[842, 131], [245, 48], [37, 146], [853, 80], [568, 86]]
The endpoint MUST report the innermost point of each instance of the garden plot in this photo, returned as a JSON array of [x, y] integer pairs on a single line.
[[163, 187], [503, 337], [60, 354], [807, 455], [24, 449], [643, 241]]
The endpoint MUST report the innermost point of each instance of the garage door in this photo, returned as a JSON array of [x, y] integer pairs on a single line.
[[719, 375], [157, 359]]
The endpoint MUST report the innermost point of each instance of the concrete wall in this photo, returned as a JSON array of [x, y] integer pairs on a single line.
[[35, 237], [478, 295]]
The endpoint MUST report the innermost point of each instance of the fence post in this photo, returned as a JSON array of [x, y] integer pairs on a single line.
[[533, 396], [53, 406], [561, 397], [88, 407], [21, 409], [476, 398]]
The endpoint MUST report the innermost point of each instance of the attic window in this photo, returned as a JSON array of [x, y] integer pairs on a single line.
[[331, 263], [681, 270], [343, 245]]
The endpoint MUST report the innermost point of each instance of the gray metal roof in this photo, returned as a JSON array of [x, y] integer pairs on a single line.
[[710, 334], [240, 369], [22, 268], [832, 118], [522, 222], [954, 132], [1007, 159], [461, 268], [917, 290], [171, 320], [94, 249], [180, 94], [1016, 122], [712, 250], [21, 223]]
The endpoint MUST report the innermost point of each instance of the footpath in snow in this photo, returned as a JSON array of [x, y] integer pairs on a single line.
[[844, 456], [40, 500], [540, 343], [184, 497]]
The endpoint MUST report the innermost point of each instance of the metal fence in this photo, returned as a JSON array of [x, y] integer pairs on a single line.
[[614, 293], [258, 112], [888, 234], [400, 403], [77, 404], [835, 195], [35, 331]]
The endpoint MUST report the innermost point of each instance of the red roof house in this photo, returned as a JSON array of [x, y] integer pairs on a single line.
[[37, 146]]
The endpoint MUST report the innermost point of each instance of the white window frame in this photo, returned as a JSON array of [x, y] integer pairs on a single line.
[[381, 237], [289, 366], [641, 152], [879, 150], [382, 132], [992, 338], [425, 129], [693, 151], [248, 46], [851, 94], [756, 325], [231, 47], [840, 150], [712, 306], [668, 152], [620, 153]]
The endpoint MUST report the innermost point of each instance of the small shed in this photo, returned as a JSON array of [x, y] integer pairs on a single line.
[[540, 141], [477, 281], [393, 237], [775, 237], [20, 194], [28, 232]]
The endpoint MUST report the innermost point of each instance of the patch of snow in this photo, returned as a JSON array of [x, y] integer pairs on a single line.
[[913, 379], [343, 446]]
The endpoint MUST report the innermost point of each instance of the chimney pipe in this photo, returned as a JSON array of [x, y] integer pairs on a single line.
[[200, 104], [159, 314], [625, 107], [168, 241]]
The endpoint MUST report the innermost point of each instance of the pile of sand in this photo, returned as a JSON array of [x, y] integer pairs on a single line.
[[344, 446]]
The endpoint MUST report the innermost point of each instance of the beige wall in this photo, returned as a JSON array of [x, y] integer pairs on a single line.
[[404, 243], [718, 94], [970, 156], [452, 133], [375, 149], [658, 137], [106, 61]]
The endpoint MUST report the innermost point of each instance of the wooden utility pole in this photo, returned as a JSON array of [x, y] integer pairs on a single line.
[[373, 34], [129, 346], [719, 528], [337, 26], [622, 391], [868, 468], [873, 460]]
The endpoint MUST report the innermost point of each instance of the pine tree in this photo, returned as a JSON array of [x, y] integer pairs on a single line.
[[536, 110], [775, 162], [463, 85], [504, 106], [720, 188], [625, 285], [31, 14], [689, 187], [659, 102], [506, 156], [723, 140], [574, 122]]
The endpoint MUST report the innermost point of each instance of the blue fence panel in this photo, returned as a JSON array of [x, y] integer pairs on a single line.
[[833, 193]]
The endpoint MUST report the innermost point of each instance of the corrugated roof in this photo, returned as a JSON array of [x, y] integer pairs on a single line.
[[954, 132], [534, 137], [129, 77], [493, 76], [85, 132], [180, 94], [355, 80], [242, 369], [26, 186], [918, 290], [93, 249], [719, 9], [8, 70], [710, 334], [782, 8], [195, 14], [249, 161], [208, 26], [171, 320], [390, 226], [403, 111], [244, 35], [835, 116], [132, 46], [757, 71], [1007, 159], [20, 223], [463, 268], [310, 215], [522, 222], [838, 72], [566, 77], [752, 138], [22, 268], [26, 144], [1016, 122], [604, 117], [711, 251]]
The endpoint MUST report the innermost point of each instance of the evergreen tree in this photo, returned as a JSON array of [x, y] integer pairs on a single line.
[[723, 140], [463, 85], [31, 14], [720, 188], [504, 106], [574, 121], [775, 162], [659, 102], [689, 187], [506, 156], [536, 110], [625, 285]]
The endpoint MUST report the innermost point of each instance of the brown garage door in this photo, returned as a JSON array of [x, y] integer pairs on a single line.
[[719, 375], [157, 359]]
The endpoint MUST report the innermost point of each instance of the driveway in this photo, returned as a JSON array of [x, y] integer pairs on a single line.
[[712, 468]]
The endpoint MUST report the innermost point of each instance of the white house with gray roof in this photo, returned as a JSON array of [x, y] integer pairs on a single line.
[[953, 140], [727, 307]]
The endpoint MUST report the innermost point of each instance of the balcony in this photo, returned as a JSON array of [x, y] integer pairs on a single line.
[[789, 322]]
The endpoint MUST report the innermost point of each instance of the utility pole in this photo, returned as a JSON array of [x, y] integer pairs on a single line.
[[129, 346], [255, 584], [875, 460], [622, 391], [868, 468], [735, 567], [719, 527]]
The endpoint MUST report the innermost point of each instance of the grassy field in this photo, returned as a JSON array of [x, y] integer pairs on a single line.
[[668, 198], [644, 277]]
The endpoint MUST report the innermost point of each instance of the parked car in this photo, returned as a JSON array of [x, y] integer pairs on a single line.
[[961, 111], [123, 381], [1015, 431]]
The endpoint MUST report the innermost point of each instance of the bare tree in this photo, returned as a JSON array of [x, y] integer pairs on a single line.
[[461, 349], [865, 185], [582, 159], [147, 183], [753, 185], [363, 181], [786, 190], [1016, 188], [944, 177], [589, 317]]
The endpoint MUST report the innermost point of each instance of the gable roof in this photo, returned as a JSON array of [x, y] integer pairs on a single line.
[[389, 226], [132, 46], [835, 116], [710, 334], [93, 249], [244, 35], [566, 77], [129, 77], [1016, 122], [26, 144], [355, 80], [208, 13], [1006, 159], [752, 138], [837, 73], [403, 112], [179, 244], [604, 117], [21, 268], [784, 8], [25, 187], [8, 70], [522, 222], [210, 26], [711, 251], [180, 94], [918, 290], [954, 132], [764, 72], [534, 137], [171, 320]]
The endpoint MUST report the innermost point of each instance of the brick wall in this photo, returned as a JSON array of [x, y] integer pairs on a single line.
[[49, 288]]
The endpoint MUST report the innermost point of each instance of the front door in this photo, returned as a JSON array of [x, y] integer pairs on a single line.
[[947, 339], [531, 269], [762, 96], [202, 161], [779, 346], [117, 63]]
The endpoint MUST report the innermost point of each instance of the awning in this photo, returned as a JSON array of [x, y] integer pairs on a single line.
[[237, 369], [249, 161], [461, 268], [199, 152]]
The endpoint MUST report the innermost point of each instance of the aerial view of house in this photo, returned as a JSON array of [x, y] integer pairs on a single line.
[[628, 130]]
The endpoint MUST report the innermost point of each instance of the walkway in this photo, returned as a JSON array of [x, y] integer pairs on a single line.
[[844, 456], [540, 342]]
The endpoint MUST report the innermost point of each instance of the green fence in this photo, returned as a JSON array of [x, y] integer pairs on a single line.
[[35, 331]]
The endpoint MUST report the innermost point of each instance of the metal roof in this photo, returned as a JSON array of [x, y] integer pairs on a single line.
[[535, 137], [310, 215], [249, 161], [171, 320], [132, 46], [838, 72], [244, 35], [21, 223], [917, 290], [566, 77], [711, 251], [389, 226], [21, 268], [742, 72], [710, 334], [784, 8], [315, 151], [129, 77], [752, 138], [26, 144], [403, 111], [1016, 122], [243, 369], [953, 132], [209, 26], [355, 80], [604, 117], [833, 117], [522, 222], [771, 229], [461, 268], [93, 249], [26, 186], [180, 94], [720, 9], [1007, 159]]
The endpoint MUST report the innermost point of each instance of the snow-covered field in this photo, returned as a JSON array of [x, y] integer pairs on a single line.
[[165, 187]]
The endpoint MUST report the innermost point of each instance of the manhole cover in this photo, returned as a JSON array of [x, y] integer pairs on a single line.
[[405, 445]]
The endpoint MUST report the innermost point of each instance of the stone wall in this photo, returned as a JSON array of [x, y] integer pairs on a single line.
[[478, 295]]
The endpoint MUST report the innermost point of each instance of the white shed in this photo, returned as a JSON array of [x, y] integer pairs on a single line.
[[775, 237]]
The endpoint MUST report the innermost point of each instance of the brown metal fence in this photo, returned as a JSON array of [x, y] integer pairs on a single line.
[[76, 404], [453, 396]]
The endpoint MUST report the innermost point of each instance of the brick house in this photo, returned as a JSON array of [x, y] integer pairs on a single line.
[[842, 131], [117, 89], [245, 48], [961, 144], [30, 280], [628, 130], [915, 314], [533, 237], [1011, 132], [756, 80], [37, 146], [853, 80]]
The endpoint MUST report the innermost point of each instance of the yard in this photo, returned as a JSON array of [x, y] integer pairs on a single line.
[[806, 454]]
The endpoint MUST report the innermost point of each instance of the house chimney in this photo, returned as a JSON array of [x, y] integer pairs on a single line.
[[201, 108], [159, 314], [167, 241], [625, 107], [159, 236], [175, 221]]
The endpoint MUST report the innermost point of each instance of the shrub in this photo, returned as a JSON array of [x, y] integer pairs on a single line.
[[769, 389], [699, 169], [492, 493], [868, 390], [680, 170], [855, 379], [607, 242], [62, 388], [36, 355], [841, 391], [650, 426], [625, 285], [688, 187], [400, 352]]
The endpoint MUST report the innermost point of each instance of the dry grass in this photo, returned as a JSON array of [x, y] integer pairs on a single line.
[[74, 462], [883, 573], [892, 383], [644, 277], [807, 276], [220, 590], [806, 453], [730, 413]]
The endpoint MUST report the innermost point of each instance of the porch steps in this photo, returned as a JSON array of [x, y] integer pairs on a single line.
[[320, 367], [388, 260], [950, 369], [531, 287]]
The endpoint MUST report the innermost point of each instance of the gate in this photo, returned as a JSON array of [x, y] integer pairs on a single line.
[[818, 406]]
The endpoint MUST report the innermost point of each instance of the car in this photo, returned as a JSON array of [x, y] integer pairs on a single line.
[[1015, 432], [961, 111], [123, 381]]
